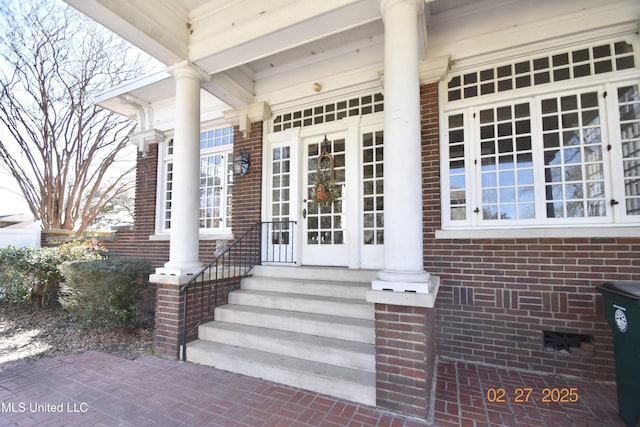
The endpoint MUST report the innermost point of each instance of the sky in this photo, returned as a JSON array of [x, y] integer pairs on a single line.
[[11, 200]]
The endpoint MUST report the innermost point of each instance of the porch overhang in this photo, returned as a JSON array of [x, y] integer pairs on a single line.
[[232, 41]]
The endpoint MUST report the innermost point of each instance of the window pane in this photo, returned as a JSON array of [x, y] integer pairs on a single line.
[[504, 71], [509, 147], [601, 51], [578, 167], [168, 196], [457, 167], [486, 74], [280, 198], [549, 106], [489, 212], [216, 137], [329, 225], [580, 55], [629, 108], [562, 59], [212, 176]]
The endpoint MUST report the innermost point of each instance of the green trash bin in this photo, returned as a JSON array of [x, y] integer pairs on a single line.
[[622, 311]]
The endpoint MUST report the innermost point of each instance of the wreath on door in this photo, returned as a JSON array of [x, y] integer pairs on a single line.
[[325, 192]]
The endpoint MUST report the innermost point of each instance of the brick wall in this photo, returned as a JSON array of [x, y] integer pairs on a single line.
[[135, 242], [404, 335], [247, 189], [169, 326], [169, 318], [202, 298], [498, 295]]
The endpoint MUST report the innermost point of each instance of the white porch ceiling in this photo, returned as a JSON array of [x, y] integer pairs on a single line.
[[232, 40], [218, 35], [239, 42]]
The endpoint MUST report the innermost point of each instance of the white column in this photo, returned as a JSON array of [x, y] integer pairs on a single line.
[[403, 260], [185, 203]]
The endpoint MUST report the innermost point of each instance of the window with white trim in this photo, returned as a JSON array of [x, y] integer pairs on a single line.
[[358, 106], [216, 180], [564, 154]]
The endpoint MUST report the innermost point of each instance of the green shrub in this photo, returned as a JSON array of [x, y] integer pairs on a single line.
[[105, 292], [81, 250], [32, 273], [13, 285]]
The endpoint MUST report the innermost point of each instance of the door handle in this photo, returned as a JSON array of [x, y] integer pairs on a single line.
[[304, 213]]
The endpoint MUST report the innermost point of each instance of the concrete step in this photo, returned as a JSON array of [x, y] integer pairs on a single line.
[[356, 290], [317, 304], [348, 354], [344, 328], [307, 327], [346, 383], [334, 274]]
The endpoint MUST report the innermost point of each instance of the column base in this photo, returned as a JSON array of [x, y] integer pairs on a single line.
[[380, 294], [180, 270], [419, 282]]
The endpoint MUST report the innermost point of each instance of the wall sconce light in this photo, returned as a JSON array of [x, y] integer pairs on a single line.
[[241, 164]]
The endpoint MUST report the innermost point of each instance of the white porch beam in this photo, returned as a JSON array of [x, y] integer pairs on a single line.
[[219, 42], [143, 139], [243, 117], [233, 87], [152, 26]]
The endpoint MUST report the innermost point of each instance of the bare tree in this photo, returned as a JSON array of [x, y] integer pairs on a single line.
[[63, 150]]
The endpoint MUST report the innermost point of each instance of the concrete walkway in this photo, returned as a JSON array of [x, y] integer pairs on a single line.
[[96, 389]]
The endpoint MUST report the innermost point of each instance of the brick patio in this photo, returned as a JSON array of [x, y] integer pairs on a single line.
[[99, 389]]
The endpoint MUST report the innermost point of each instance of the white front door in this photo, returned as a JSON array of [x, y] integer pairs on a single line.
[[348, 231], [324, 224]]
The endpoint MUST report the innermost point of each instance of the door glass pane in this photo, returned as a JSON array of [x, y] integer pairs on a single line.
[[373, 188], [629, 107], [280, 199], [325, 223], [506, 163], [457, 171], [573, 161]]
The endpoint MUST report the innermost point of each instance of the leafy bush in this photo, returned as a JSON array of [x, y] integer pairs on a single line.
[[13, 286], [104, 292], [32, 273], [83, 250], [13, 283]]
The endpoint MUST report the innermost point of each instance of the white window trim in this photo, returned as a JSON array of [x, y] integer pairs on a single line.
[[226, 152], [616, 224], [161, 195], [207, 234], [537, 232]]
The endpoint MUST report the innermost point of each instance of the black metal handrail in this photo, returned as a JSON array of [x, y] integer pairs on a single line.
[[263, 242]]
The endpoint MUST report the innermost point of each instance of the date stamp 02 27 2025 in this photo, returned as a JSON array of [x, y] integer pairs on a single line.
[[526, 394]]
